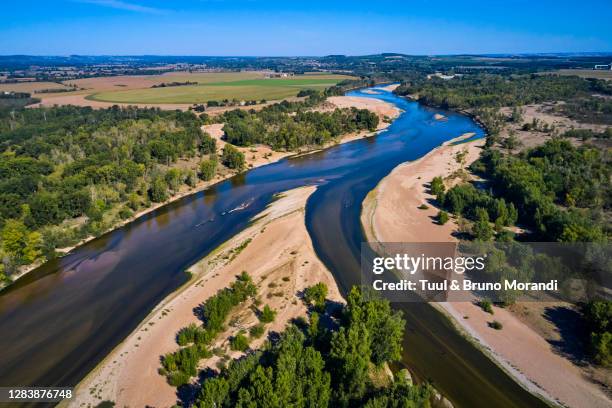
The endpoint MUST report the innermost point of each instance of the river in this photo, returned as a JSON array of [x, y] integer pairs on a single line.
[[59, 321]]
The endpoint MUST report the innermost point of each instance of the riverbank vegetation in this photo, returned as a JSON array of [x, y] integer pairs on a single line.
[[334, 359], [558, 190], [68, 172], [290, 125], [483, 94], [598, 318], [491, 91], [180, 366]]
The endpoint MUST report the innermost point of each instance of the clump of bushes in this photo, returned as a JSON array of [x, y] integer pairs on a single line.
[[257, 331], [179, 367], [442, 217], [496, 325], [239, 342], [208, 169], [267, 315], [315, 296], [598, 317], [486, 306], [232, 157]]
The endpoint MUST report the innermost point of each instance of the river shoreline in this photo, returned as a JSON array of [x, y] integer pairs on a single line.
[[382, 109], [391, 214], [128, 375], [144, 263]]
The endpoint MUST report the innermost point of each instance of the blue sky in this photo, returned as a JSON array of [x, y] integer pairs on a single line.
[[312, 27]]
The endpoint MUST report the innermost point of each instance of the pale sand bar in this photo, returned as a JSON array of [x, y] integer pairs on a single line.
[[280, 248], [390, 214]]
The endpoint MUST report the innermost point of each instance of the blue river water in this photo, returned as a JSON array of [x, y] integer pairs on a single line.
[[60, 320]]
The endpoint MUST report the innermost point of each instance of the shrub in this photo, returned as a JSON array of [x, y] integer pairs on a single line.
[[598, 317], [208, 169], [442, 217], [486, 306], [257, 331], [602, 347], [186, 335], [423, 207], [496, 325], [125, 213], [239, 342], [267, 315], [315, 295], [437, 186]]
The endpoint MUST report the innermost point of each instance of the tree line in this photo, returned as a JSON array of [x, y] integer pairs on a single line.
[[290, 125], [495, 91], [180, 366], [560, 193], [559, 190], [330, 360], [65, 164]]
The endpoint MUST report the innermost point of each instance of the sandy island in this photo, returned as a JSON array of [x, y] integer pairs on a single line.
[[280, 248], [282, 262], [390, 214], [255, 156]]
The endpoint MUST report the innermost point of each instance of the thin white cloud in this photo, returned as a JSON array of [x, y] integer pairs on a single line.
[[123, 5]]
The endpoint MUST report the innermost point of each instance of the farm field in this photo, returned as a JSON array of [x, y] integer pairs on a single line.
[[31, 87], [216, 87], [587, 73], [101, 92]]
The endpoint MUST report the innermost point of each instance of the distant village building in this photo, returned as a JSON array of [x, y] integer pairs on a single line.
[[443, 76], [603, 67], [279, 75]]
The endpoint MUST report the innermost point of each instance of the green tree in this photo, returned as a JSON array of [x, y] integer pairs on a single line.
[[437, 186], [350, 351], [173, 178], [602, 346], [20, 243], [482, 229], [385, 328], [267, 315], [442, 217], [208, 169], [232, 157], [315, 295], [158, 192], [239, 342]]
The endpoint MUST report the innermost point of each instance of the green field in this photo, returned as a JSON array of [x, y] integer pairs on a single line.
[[231, 88], [586, 73]]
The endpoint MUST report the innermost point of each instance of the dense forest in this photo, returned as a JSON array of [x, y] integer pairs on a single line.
[[558, 190], [585, 100], [491, 91], [290, 125], [69, 172], [336, 358]]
